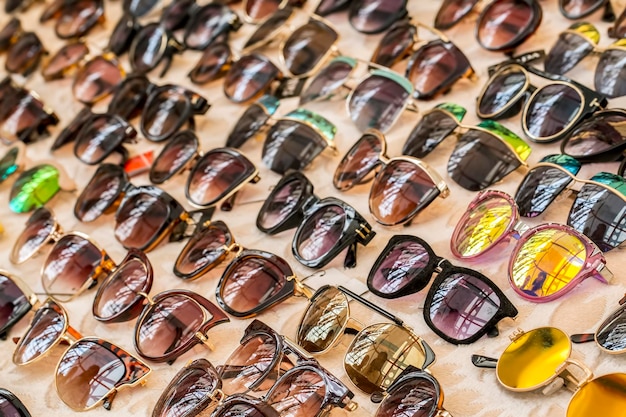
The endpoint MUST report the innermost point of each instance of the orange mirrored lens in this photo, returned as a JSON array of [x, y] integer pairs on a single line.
[[604, 396]]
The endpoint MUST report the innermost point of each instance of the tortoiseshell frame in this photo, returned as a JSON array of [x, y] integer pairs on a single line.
[[15, 402]]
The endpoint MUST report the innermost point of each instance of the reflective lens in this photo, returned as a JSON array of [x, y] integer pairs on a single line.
[[34, 188], [250, 363], [39, 230], [139, 8], [610, 335], [165, 112], [611, 72], [24, 55], [206, 248], [101, 192], [176, 154], [100, 136], [320, 233], [148, 48], [140, 220], [505, 24], [300, 392], [122, 35], [544, 119], [600, 135], [374, 16], [281, 204], [451, 11], [130, 96], [66, 58], [212, 63], [96, 79], [307, 46], [605, 394], [568, 51], [360, 160], [267, 30], [7, 408], [575, 9], [46, 329], [252, 121], [324, 320], [415, 397], [14, 304], [395, 45], [502, 91], [328, 80], [434, 127], [207, 24], [249, 77], [260, 9], [8, 163]]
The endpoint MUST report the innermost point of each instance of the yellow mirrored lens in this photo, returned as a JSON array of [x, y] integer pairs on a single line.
[[532, 359], [324, 320], [604, 396], [547, 262], [481, 228], [379, 354]]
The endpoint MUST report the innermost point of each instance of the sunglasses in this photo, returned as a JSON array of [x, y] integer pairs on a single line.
[[579, 41], [576, 9], [254, 120], [462, 304], [261, 362], [10, 405], [402, 187], [366, 16], [433, 66], [378, 353], [599, 207], [548, 260], [74, 18], [16, 299], [101, 135], [41, 228], [550, 112], [337, 225], [618, 30], [24, 49], [84, 376], [11, 6], [23, 114], [34, 187], [213, 64], [255, 11], [540, 358]]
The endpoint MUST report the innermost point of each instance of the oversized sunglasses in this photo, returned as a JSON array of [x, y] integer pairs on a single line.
[[503, 25], [579, 41], [23, 116], [41, 229], [402, 187], [599, 210], [16, 300], [168, 324], [74, 18], [608, 336], [433, 66], [541, 358], [24, 49], [366, 16], [390, 347], [334, 223], [548, 260], [36, 186], [550, 112], [90, 371], [10, 404], [263, 361], [461, 306]]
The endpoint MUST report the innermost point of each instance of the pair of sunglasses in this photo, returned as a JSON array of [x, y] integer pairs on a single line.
[[24, 49], [10, 404], [402, 187], [378, 353], [548, 260], [366, 16], [16, 300], [90, 371], [461, 306], [433, 66], [541, 358], [503, 25], [549, 113], [599, 210], [23, 114], [263, 362], [74, 19], [579, 41], [41, 229], [608, 337], [324, 227]]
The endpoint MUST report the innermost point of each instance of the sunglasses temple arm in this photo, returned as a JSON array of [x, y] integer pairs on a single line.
[[582, 337], [523, 59], [486, 362], [372, 306]]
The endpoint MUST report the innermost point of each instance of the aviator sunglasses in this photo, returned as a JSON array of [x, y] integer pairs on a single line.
[[24, 49], [324, 227], [541, 358], [366, 16]]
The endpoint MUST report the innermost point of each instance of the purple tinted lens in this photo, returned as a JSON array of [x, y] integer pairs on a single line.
[[505, 24], [327, 81], [14, 304], [140, 220], [291, 144], [539, 189], [211, 64], [249, 124], [600, 134], [101, 192], [462, 306], [203, 251], [568, 51], [377, 102], [281, 204], [360, 160], [307, 46], [148, 48], [428, 133], [373, 16], [451, 11], [97, 79], [7, 409], [45, 330], [174, 157], [417, 397], [503, 91], [611, 73], [395, 45], [64, 59], [249, 77], [552, 110], [574, 9], [100, 136], [321, 232], [401, 263]]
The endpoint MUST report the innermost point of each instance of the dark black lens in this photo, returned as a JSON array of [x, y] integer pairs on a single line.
[[264, 32], [611, 73], [174, 156], [503, 90], [212, 64], [139, 8], [291, 145], [552, 111], [539, 188], [148, 48], [428, 133], [130, 96], [100, 136], [122, 35], [600, 138], [249, 124], [101, 192], [568, 51]]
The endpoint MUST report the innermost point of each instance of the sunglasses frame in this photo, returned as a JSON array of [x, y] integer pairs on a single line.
[[58, 8], [12, 398], [28, 294], [283, 3], [55, 234], [607, 16], [130, 135]]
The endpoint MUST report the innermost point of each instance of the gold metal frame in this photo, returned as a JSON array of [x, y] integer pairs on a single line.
[[514, 100], [53, 236]]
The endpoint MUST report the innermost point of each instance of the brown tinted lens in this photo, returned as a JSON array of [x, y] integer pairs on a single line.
[[281, 204], [451, 11], [140, 219], [101, 192], [96, 80], [165, 112], [212, 64], [249, 363], [358, 162], [24, 54], [206, 248], [168, 326], [374, 16], [122, 35], [260, 9], [328, 80], [38, 231], [268, 28], [416, 397], [574, 9], [249, 77], [8, 33], [299, 393], [320, 234], [379, 353], [70, 264], [395, 45], [100, 136], [66, 58], [307, 46], [174, 157], [86, 373], [78, 18], [45, 330], [148, 48], [207, 24], [506, 23], [323, 321]]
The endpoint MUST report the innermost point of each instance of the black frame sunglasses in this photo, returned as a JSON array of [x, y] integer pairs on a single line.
[[68, 12], [12, 403]]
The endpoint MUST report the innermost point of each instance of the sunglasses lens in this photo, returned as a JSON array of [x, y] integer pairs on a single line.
[[395, 45], [252, 280], [71, 262], [483, 226], [13, 303], [533, 358], [7, 409], [249, 363], [400, 190], [249, 77], [326, 7], [39, 229], [281, 204], [87, 372], [176, 15], [307, 46], [216, 175], [8, 164], [138, 8], [263, 33], [417, 397], [574, 9], [130, 97], [610, 73], [204, 250], [249, 124], [360, 160], [428, 133], [323, 321], [97, 79], [214, 58], [379, 354], [67, 57], [373, 16], [600, 212], [207, 24], [597, 136], [291, 144], [320, 234], [326, 82], [140, 219], [24, 54], [568, 51], [99, 137], [544, 119], [506, 23], [174, 157], [503, 90], [260, 9], [34, 188], [148, 48], [610, 335], [402, 263], [300, 393], [164, 113], [546, 262], [605, 394], [122, 35], [168, 325], [451, 11], [103, 190], [378, 101], [77, 20], [45, 330]]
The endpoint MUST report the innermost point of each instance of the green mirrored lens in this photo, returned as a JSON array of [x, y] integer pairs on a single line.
[[8, 164], [34, 188], [521, 148], [457, 111], [566, 162]]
